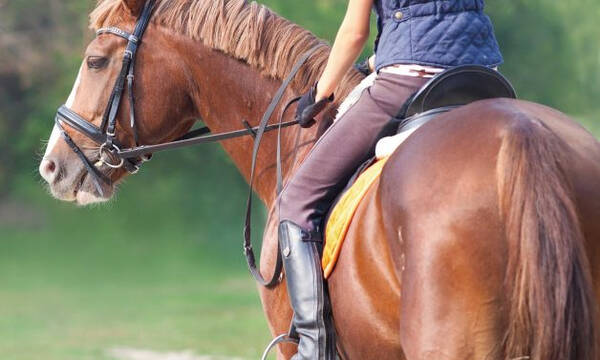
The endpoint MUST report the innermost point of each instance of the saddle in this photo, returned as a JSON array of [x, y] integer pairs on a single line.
[[448, 90]]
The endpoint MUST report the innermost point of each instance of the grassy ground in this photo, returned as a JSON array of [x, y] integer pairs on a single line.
[[158, 269]]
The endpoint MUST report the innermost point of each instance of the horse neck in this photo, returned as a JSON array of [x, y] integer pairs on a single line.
[[228, 91]]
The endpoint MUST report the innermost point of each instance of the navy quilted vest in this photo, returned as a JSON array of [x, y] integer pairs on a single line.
[[441, 33]]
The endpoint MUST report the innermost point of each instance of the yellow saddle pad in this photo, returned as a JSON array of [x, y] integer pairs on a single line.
[[342, 214]]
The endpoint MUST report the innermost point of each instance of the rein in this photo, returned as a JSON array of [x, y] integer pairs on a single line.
[[248, 251], [131, 158]]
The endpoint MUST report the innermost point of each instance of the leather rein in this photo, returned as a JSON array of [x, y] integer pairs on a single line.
[[114, 156]]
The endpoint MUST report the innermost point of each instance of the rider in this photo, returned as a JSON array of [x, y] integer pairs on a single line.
[[416, 39]]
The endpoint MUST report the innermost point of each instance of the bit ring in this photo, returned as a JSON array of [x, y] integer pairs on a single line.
[[103, 159]]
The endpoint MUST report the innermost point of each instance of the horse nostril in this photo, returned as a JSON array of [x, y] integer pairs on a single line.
[[48, 170], [51, 166]]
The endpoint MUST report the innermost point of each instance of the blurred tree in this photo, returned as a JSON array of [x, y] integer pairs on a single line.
[[40, 41], [551, 50]]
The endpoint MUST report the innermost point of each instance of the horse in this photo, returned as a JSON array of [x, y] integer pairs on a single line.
[[480, 240]]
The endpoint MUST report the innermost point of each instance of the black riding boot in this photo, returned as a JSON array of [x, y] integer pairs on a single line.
[[312, 322]]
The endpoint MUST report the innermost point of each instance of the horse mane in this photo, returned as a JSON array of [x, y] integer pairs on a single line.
[[247, 31]]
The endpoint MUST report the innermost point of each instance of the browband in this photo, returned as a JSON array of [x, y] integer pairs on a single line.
[[116, 31]]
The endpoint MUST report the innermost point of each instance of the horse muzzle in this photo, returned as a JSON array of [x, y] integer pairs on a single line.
[[69, 180]]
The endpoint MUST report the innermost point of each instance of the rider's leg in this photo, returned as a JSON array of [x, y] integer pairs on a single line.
[[307, 197]]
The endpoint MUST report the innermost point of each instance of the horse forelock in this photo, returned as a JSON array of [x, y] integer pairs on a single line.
[[247, 31]]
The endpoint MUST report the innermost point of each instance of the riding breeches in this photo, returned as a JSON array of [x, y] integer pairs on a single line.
[[306, 198]]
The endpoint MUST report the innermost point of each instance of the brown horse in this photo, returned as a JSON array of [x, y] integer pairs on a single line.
[[481, 239]]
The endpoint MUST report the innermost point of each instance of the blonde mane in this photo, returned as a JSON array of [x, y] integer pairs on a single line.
[[246, 31]]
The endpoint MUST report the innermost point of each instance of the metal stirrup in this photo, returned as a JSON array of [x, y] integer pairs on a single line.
[[283, 338]]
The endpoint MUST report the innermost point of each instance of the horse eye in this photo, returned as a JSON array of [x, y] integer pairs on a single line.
[[96, 62]]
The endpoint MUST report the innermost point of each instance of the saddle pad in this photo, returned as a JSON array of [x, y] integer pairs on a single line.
[[342, 214], [387, 145]]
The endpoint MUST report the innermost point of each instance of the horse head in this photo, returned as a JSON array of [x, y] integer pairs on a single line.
[[219, 60], [161, 101]]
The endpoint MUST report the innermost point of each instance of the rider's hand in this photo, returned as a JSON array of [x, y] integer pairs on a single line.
[[308, 108]]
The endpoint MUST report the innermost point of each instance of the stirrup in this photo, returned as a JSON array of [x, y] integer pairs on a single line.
[[283, 338]]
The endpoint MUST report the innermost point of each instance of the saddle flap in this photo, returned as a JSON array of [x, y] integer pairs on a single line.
[[459, 86]]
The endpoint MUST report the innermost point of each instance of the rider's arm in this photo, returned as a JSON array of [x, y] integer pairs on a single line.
[[349, 42]]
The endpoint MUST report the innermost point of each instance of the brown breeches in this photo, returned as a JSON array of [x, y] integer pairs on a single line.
[[306, 199]]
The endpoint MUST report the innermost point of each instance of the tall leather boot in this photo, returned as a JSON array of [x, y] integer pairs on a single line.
[[312, 322]]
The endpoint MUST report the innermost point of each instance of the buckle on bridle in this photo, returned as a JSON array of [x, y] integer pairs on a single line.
[[115, 150], [136, 169]]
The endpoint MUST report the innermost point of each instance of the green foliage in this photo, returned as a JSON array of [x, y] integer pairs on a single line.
[[551, 50], [40, 43]]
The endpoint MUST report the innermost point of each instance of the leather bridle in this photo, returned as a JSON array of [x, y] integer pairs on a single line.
[[114, 155], [106, 133]]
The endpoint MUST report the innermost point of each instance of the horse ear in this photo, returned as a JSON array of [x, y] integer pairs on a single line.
[[134, 6]]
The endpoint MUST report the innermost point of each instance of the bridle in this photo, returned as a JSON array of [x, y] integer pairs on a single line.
[[115, 156], [105, 135]]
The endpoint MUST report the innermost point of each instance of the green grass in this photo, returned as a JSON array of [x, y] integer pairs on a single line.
[[161, 268]]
